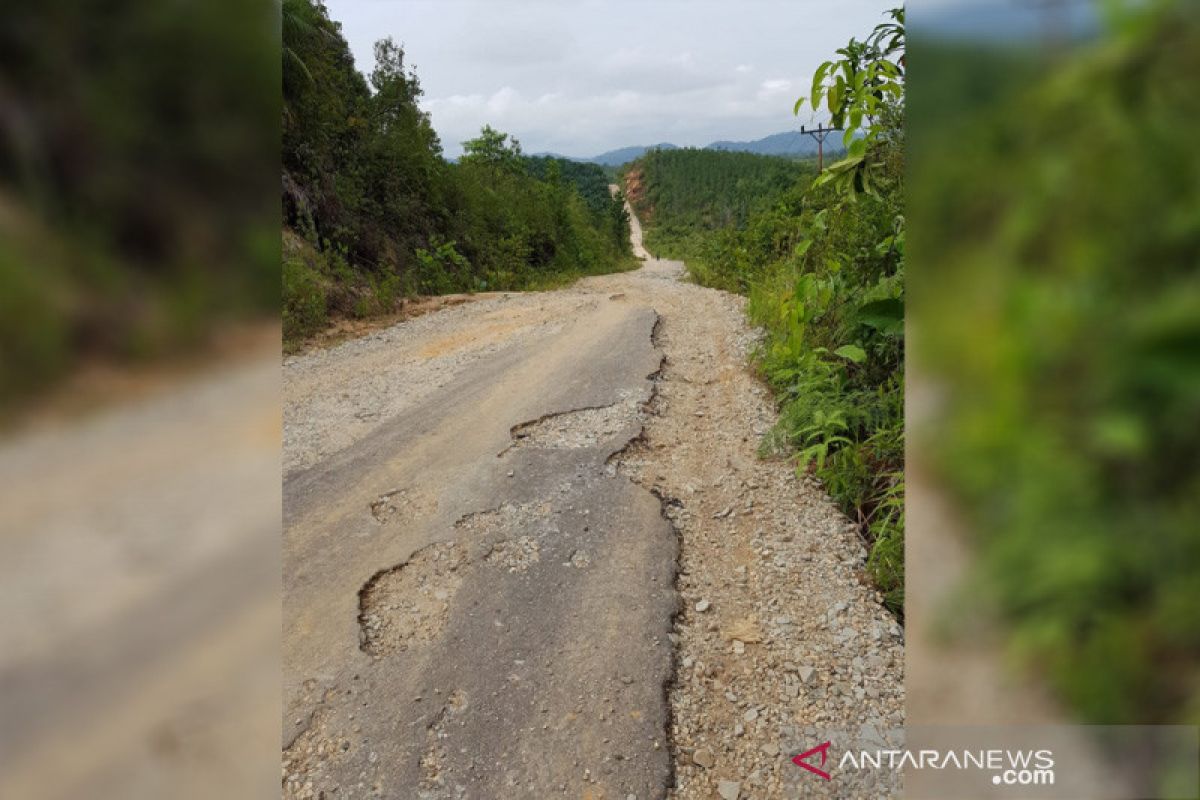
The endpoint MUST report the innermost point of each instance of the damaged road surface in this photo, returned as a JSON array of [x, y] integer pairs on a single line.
[[476, 604], [531, 551]]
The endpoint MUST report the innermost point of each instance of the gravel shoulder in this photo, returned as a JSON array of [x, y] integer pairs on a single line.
[[781, 637]]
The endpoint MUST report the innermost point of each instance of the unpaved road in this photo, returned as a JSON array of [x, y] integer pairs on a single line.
[[530, 552]]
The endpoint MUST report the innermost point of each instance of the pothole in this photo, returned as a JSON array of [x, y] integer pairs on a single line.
[[515, 555], [579, 428], [409, 603], [388, 505], [509, 521], [310, 763]]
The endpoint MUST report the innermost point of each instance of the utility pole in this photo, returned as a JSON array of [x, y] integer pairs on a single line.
[[819, 133]]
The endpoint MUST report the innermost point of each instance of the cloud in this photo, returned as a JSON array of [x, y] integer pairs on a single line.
[[503, 100], [773, 88], [652, 71], [581, 77]]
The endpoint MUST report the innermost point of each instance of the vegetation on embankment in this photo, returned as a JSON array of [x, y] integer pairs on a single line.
[[823, 264], [386, 216]]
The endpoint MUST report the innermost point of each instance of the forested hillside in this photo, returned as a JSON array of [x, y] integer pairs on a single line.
[[789, 144], [822, 261], [683, 195], [589, 180], [373, 212]]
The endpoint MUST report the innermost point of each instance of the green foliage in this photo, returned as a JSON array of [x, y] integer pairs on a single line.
[[886, 532], [135, 204], [863, 92], [303, 299], [494, 149], [365, 181], [441, 270], [1060, 307], [823, 264], [33, 335], [685, 195]]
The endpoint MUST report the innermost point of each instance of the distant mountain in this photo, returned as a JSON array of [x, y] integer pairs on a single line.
[[615, 158], [788, 143]]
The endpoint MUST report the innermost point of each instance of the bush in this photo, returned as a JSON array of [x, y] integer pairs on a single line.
[[33, 333], [304, 310], [442, 270]]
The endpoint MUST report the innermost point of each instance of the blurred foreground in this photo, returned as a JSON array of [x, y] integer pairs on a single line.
[[1055, 363], [139, 575], [139, 147], [139, 516]]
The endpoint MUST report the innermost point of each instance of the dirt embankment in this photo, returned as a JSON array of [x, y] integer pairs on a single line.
[[635, 192]]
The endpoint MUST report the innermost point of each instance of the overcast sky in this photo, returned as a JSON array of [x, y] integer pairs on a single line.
[[580, 77]]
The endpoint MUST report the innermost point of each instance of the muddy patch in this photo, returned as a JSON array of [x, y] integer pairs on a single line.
[[408, 604]]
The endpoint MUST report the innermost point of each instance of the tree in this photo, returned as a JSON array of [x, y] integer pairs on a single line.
[[494, 149]]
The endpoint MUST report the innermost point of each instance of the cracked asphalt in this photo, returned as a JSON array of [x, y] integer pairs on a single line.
[[498, 518], [476, 604]]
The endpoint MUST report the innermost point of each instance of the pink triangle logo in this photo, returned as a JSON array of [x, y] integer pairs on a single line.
[[801, 760]]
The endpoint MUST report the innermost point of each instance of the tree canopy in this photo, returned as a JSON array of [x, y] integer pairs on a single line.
[[375, 212]]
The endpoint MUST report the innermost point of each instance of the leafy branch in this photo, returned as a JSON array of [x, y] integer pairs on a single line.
[[863, 91]]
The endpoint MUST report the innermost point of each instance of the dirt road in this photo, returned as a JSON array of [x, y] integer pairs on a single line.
[[530, 551]]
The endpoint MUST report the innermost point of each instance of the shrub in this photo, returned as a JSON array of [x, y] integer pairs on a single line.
[[304, 310]]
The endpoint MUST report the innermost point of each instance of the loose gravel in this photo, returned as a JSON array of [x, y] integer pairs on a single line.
[[781, 641]]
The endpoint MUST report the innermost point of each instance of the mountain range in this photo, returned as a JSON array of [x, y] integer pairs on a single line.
[[787, 143]]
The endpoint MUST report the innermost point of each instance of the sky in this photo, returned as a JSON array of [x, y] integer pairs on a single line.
[[580, 77]]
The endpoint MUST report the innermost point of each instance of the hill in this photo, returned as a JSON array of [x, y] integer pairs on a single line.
[[684, 194], [623, 155], [787, 144]]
